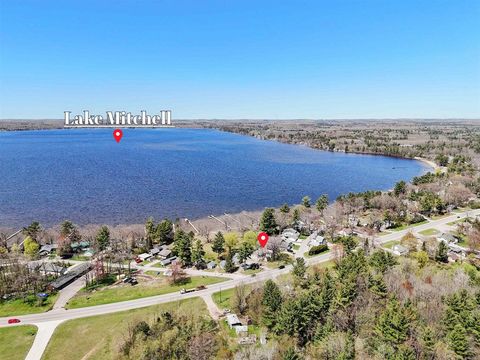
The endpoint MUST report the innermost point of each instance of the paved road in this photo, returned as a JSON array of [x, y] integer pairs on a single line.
[[62, 314], [47, 322]]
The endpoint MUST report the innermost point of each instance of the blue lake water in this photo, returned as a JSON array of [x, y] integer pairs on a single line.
[[85, 176]]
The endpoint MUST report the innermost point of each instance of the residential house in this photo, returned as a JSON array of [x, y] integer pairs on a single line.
[[47, 268], [164, 253], [46, 250], [447, 238], [144, 256], [154, 251], [168, 261], [399, 250], [211, 265], [317, 240], [70, 276]]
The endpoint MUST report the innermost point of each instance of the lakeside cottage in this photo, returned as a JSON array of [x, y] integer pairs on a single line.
[[46, 250]]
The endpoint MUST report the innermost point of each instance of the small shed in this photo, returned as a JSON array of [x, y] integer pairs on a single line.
[[232, 320]]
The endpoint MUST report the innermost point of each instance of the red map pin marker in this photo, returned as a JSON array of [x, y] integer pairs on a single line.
[[117, 135], [262, 239]]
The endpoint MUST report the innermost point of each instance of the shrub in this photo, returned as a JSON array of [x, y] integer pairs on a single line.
[[314, 250]]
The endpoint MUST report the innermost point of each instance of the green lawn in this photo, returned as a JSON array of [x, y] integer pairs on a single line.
[[390, 244], [325, 264], [15, 341], [19, 307], [452, 223], [99, 337], [429, 232], [222, 298], [128, 292], [296, 247], [406, 226]]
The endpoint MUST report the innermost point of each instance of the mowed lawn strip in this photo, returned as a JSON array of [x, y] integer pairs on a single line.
[[100, 337], [429, 232], [127, 292], [15, 341], [20, 307]]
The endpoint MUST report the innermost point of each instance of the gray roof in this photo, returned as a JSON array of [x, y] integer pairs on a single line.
[[448, 237], [232, 320], [165, 252], [48, 248]]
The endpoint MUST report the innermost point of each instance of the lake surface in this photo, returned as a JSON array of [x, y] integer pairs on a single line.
[[85, 176]]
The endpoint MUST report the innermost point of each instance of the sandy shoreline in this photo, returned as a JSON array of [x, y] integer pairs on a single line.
[[428, 162]]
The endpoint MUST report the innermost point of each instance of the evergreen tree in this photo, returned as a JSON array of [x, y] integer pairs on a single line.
[[393, 325], [306, 201], [33, 230], [382, 261], [458, 342], [428, 343], [295, 216], [268, 222], [164, 232], [229, 265], [245, 251], [322, 203], [442, 252], [272, 296], [377, 285], [149, 233], [68, 234], [103, 238], [400, 188], [299, 268], [218, 245], [182, 245], [197, 252], [285, 209]]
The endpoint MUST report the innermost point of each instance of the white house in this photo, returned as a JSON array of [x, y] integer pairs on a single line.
[[317, 240], [399, 250]]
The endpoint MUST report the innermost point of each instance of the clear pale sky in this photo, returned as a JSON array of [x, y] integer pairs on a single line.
[[241, 59]]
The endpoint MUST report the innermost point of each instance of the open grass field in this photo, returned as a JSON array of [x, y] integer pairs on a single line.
[[223, 298], [15, 342], [19, 307], [428, 232], [126, 292], [99, 337]]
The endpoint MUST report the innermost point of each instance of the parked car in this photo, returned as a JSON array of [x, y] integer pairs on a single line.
[[281, 266], [13, 321]]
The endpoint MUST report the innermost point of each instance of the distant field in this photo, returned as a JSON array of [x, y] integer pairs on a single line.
[[15, 342], [124, 293], [19, 307], [98, 337]]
